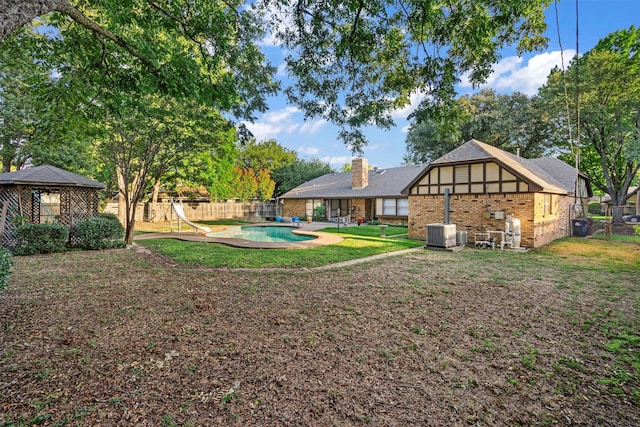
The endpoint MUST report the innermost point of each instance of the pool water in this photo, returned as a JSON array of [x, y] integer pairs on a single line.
[[263, 233]]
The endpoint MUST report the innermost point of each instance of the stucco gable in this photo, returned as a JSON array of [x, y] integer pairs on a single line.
[[474, 151]]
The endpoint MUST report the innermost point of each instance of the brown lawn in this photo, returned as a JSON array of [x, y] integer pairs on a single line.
[[431, 338]]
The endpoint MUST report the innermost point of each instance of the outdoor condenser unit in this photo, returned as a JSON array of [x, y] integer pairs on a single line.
[[461, 238], [441, 235]]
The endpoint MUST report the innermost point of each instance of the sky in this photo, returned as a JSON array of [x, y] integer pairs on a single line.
[[316, 138]]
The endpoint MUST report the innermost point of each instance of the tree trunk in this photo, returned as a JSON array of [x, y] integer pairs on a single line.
[[617, 212], [131, 223], [15, 14]]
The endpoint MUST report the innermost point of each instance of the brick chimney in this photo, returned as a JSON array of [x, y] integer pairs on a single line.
[[359, 173]]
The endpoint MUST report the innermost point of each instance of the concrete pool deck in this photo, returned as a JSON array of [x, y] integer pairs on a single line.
[[304, 228]]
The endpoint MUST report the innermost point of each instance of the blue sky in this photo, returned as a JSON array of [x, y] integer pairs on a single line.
[[319, 139]]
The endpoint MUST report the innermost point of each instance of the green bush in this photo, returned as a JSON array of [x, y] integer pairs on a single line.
[[6, 262], [106, 215], [101, 232], [319, 213], [595, 208], [41, 239]]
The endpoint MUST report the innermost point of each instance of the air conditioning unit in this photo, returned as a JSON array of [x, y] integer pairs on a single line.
[[441, 235], [461, 238]]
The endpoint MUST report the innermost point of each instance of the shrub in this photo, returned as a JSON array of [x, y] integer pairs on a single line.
[[319, 213], [6, 262], [106, 215], [101, 232], [595, 208], [41, 239]]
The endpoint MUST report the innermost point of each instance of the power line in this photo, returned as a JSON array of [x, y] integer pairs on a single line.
[[575, 148]]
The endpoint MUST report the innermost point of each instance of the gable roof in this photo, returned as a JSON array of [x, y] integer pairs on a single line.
[[546, 174], [48, 176], [382, 183]]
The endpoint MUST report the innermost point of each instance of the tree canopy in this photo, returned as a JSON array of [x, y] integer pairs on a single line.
[[298, 172], [513, 123], [195, 49], [267, 154], [353, 63], [604, 87]]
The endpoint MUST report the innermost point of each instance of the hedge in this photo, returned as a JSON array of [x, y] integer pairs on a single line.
[[41, 239], [101, 232], [6, 262]]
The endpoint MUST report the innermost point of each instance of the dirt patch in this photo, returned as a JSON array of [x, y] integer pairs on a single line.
[[430, 338]]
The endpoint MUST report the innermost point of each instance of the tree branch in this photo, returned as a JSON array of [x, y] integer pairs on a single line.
[[75, 14]]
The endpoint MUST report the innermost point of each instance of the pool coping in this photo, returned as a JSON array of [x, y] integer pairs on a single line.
[[321, 239]]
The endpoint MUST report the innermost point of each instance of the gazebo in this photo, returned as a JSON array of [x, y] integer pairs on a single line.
[[45, 194]]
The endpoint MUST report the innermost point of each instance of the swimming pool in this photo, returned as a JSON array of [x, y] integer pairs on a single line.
[[262, 233]]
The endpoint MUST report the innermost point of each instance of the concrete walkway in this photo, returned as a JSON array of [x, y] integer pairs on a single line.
[[367, 259]]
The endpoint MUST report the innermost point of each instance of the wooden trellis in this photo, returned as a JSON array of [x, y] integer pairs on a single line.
[[76, 200]]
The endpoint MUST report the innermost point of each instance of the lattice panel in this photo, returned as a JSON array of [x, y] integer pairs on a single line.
[[76, 204], [9, 196]]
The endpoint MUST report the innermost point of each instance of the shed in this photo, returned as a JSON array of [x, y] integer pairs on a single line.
[[45, 194]]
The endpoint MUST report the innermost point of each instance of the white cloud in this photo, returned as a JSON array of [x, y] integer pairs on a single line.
[[513, 75], [336, 161], [262, 131], [308, 151], [280, 115], [273, 123], [287, 120], [282, 70], [414, 101], [312, 127]]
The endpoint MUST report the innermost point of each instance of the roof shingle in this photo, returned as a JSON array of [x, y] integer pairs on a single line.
[[382, 183], [47, 176]]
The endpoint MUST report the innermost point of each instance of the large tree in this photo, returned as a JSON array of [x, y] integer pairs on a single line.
[[20, 79], [511, 122], [267, 154], [143, 137], [300, 171], [351, 62], [355, 62], [117, 63], [604, 87], [195, 49]]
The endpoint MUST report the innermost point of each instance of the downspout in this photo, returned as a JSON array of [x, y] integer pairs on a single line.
[[446, 206]]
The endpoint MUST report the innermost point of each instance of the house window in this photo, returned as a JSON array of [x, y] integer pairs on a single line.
[[395, 207], [341, 204], [388, 206], [402, 207], [311, 207], [546, 204]]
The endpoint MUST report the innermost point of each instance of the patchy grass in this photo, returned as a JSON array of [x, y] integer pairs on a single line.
[[478, 337]]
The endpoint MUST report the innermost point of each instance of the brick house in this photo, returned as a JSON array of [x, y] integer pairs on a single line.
[[486, 185], [362, 193]]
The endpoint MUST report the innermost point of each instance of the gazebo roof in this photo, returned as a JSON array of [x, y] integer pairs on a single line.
[[48, 176]]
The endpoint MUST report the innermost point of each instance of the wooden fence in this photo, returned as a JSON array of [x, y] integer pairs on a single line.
[[202, 211]]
